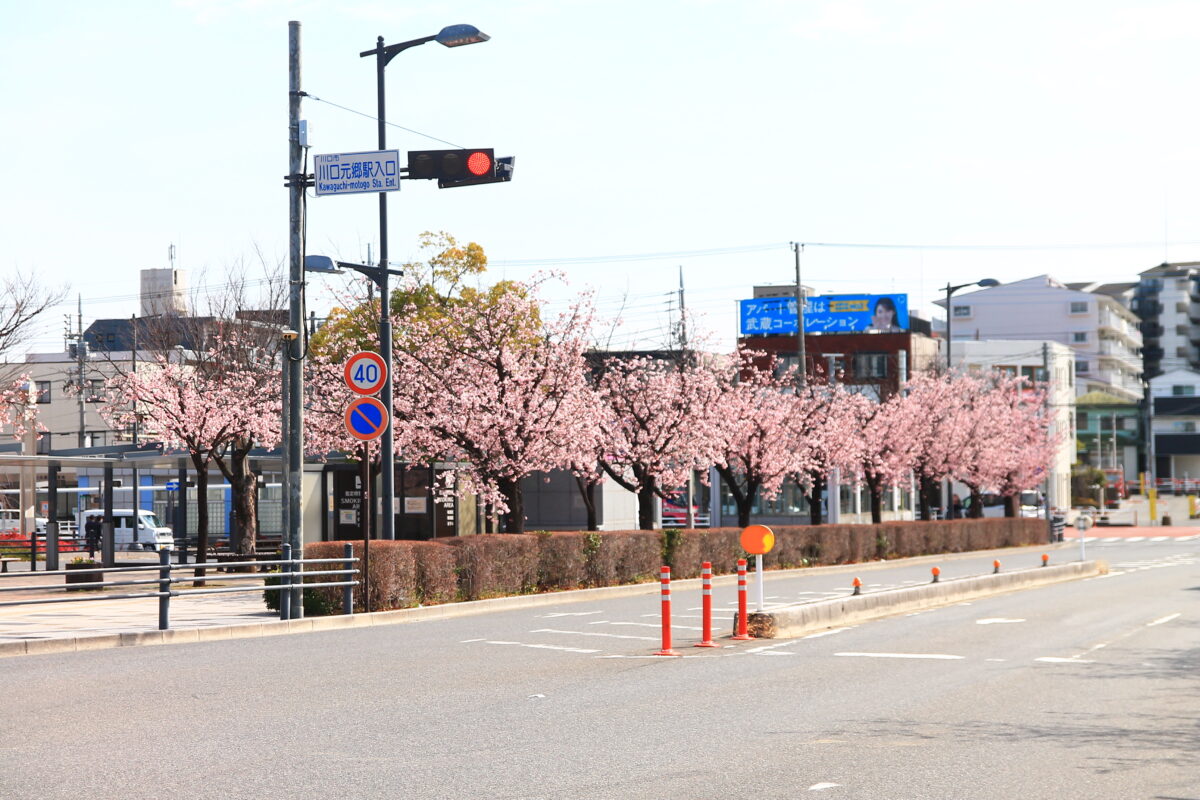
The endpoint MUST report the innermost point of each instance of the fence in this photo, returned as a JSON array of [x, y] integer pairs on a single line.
[[160, 578]]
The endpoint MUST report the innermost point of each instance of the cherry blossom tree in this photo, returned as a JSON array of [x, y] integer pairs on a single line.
[[487, 382], [658, 424], [759, 444]]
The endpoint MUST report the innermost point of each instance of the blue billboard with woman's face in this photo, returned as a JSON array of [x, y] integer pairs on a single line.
[[831, 313]]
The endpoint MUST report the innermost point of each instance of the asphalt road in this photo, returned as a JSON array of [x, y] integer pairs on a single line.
[[1079, 690]]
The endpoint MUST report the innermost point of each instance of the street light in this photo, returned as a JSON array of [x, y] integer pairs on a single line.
[[450, 36], [986, 283]]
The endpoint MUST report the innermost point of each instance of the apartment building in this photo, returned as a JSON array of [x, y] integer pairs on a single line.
[[1167, 298], [1094, 321]]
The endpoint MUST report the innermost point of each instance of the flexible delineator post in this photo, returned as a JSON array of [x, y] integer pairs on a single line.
[[665, 578], [706, 605], [742, 632]]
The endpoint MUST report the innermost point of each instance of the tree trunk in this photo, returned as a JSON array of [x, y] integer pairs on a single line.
[[926, 507], [976, 510], [201, 466], [876, 489], [587, 488], [814, 499], [1010, 505], [243, 485], [514, 520], [646, 500], [743, 496]]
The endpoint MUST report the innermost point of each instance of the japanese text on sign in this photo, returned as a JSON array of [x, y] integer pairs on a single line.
[[887, 313], [355, 173]]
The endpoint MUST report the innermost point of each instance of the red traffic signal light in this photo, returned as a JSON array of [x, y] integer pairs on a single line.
[[452, 165]]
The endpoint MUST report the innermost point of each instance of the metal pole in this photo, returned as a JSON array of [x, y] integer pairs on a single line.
[[348, 589], [949, 314], [285, 579], [180, 521], [164, 589], [387, 459], [51, 518], [758, 568], [107, 546], [294, 361], [80, 358], [802, 367]]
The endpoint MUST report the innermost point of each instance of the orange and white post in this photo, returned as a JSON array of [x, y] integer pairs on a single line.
[[742, 633], [706, 606], [665, 577], [758, 540]]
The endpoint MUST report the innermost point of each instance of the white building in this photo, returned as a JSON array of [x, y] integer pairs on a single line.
[[164, 292], [1175, 424], [1031, 358], [1094, 323]]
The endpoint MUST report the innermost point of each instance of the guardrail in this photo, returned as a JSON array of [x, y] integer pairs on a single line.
[[292, 574]]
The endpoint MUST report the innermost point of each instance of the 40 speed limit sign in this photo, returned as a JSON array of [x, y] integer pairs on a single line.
[[365, 372]]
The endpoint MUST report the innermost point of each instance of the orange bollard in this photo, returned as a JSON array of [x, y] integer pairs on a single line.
[[1045, 559], [995, 566], [665, 577], [937, 573], [742, 634], [706, 606], [857, 586]]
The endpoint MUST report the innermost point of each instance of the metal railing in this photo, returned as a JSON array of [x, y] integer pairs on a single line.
[[291, 577]]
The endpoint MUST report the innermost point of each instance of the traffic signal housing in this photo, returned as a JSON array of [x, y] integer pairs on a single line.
[[503, 172], [451, 165]]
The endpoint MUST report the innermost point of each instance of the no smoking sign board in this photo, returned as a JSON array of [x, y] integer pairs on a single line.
[[365, 372]]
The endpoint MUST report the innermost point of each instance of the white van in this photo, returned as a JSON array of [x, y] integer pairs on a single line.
[[10, 520], [132, 532]]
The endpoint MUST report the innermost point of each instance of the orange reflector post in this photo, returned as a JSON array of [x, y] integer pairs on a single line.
[[706, 606], [857, 586], [665, 578], [742, 632], [937, 573], [1045, 559], [995, 566]]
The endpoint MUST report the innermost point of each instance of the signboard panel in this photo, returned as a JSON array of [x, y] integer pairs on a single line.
[[366, 419], [834, 313], [365, 372], [356, 173]]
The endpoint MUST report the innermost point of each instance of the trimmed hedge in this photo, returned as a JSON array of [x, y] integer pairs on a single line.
[[407, 573]]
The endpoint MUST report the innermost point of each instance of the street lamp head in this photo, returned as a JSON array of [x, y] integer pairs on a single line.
[[320, 264], [458, 35], [987, 283]]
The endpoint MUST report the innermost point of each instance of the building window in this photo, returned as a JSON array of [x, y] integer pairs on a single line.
[[1079, 336], [1079, 308], [1081, 366], [1176, 391], [870, 365], [1034, 374], [95, 392], [1081, 420], [962, 311], [43, 391], [1185, 427]]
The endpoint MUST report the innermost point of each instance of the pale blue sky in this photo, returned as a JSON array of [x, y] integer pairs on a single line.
[[672, 128]]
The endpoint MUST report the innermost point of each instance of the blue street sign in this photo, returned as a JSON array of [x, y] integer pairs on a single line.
[[366, 419], [172, 486], [355, 173]]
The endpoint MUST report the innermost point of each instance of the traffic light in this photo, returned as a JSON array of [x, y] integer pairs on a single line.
[[503, 172], [452, 165]]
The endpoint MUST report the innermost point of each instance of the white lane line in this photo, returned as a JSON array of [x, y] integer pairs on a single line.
[[1072, 660], [1161, 620], [608, 635], [1135, 539], [996, 621], [569, 614], [1158, 538], [825, 633], [539, 646], [935, 656], [817, 787]]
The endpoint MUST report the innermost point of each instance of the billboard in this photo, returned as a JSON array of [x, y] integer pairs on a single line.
[[831, 313]]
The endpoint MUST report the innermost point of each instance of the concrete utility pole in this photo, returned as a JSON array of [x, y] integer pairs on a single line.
[[802, 367], [834, 488], [294, 343], [683, 343]]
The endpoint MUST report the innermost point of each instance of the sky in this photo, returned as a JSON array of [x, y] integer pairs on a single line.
[[905, 143]]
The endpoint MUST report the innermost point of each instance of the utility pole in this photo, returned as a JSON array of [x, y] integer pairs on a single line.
[[834, 488], [802, 367], [294, 343], [683, 343], [80, 361]]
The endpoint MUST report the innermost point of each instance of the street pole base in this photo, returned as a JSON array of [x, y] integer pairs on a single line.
[[740, 637], [667, 653], [706, 644]]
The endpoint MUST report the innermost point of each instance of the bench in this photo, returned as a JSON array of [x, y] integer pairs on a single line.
[[4, 563]]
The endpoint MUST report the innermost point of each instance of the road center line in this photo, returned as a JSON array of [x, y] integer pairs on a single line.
[[935, 656], [585, 633], [1161, 620]]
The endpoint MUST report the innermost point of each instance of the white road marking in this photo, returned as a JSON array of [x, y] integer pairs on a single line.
[[541, 646], [1135, 539], [935, 656], [1160, 621], [1072, 660], [997, 659], [1159, 538], [609, 635], [468, 641], [824, 633], [569, 614], [996, 621], [817, 787]]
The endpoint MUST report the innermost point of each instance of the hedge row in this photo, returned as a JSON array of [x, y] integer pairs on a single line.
[[405, 573]]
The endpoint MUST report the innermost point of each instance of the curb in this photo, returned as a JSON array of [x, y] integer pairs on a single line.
[[793, 621], [275, 627]]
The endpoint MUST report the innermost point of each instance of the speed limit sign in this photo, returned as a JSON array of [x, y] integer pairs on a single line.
[[365, 372]]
